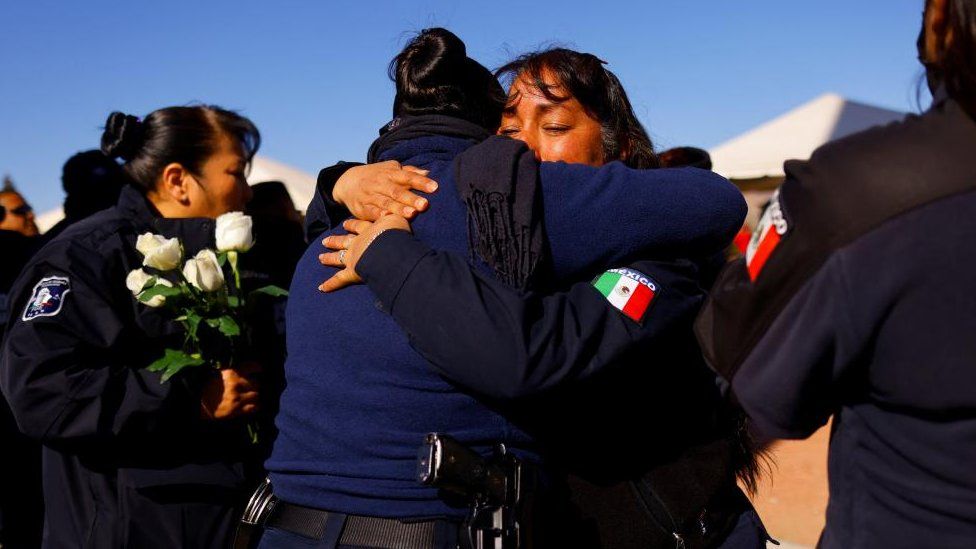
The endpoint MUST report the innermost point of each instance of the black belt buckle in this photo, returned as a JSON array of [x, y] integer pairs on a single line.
[[255, 515]]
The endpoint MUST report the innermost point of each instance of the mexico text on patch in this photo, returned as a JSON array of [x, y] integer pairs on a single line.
[[628, 290]]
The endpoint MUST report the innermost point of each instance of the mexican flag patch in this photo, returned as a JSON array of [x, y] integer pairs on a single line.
[[770, 231], [628, 290]]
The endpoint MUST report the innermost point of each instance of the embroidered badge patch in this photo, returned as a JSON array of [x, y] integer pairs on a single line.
[[628, 290], [770, 231], [48, 297]]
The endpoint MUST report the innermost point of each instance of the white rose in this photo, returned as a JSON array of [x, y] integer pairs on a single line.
[[234, 232], [160, 252], [203, 271], [136, 283]]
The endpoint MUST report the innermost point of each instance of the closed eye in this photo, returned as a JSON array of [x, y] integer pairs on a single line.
[[556, 128]]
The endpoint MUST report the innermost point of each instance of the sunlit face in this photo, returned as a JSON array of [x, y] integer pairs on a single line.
[[555, 130], [19, 217], [221, 186]]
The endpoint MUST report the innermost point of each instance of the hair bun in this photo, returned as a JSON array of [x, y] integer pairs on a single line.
[[433, 57], [123, 136]]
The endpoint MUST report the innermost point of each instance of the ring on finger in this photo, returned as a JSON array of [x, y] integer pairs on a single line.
[[342, 256]]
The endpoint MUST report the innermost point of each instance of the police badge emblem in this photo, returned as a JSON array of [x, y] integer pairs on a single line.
[[47, 298]]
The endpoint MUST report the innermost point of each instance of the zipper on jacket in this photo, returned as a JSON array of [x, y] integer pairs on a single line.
[[642, 489]]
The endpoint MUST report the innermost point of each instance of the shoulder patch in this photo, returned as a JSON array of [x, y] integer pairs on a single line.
[[47, 298], [772, 227], [630, 291]]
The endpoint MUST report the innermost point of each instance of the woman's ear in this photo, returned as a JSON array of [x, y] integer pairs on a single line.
[[626, 146], [175, 183]]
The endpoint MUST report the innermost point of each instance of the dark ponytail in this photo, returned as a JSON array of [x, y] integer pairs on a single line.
[[434, 75], [184, 135]]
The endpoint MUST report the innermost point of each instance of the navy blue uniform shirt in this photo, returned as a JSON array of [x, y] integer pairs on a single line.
[[856, 300]]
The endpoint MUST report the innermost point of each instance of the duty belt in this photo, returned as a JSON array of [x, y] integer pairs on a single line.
[[358, 531], [266, 510]]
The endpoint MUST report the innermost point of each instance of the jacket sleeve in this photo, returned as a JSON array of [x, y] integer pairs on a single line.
[[64, 375], [614, 214], [491, 338], [789, 384], [324, 213]]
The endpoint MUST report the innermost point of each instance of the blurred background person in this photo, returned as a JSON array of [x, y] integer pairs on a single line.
[[279, 237], [685, 157], [855, 300], [92, 182], [17, 215]]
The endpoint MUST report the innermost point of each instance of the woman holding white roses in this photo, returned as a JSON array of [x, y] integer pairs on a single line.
[[131, 461]]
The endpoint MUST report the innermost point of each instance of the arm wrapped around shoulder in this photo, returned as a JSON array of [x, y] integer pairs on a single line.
[[614, 214]]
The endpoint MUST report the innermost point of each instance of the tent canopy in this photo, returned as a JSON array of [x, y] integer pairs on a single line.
[[760, 152], [300, 185]]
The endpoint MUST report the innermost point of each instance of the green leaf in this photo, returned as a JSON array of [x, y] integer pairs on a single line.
[[159, 289], [193, 323], [222, 258], [233, 301], [228, 326], [149, 283], [273, 291], [172, 362]]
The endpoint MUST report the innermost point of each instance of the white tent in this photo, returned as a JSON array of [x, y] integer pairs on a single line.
[[760, 152], [300, 185]]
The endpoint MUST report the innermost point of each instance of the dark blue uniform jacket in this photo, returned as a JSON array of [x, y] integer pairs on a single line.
[[127, 460], [861, 306], [359, 399], [611, 399]]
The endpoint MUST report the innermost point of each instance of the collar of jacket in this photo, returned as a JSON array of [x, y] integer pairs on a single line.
[[196, 233], [405, 128]]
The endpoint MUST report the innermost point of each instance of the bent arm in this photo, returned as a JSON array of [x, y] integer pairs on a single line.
[[323, 212], [602, 216], [610, 215], [489, 337]]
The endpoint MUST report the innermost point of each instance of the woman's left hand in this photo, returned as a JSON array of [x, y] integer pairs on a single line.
[[352, 246]]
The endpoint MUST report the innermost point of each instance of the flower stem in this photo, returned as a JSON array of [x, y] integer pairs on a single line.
[[232, 257]]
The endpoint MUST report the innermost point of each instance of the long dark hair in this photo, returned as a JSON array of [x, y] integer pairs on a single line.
[[957, 68], [434, 75], [584, 77], [185, 135]]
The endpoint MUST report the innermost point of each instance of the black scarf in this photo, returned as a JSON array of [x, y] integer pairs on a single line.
[[406, 128], [498, 180]]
